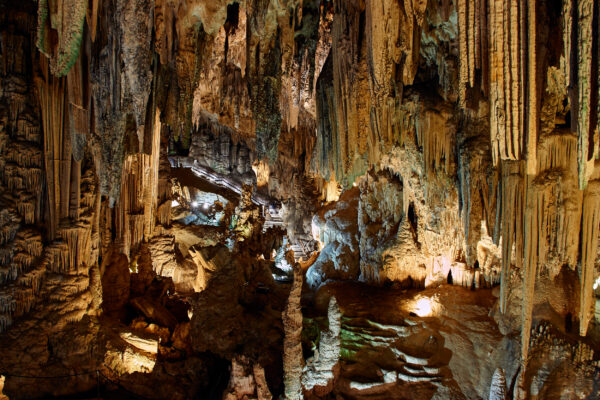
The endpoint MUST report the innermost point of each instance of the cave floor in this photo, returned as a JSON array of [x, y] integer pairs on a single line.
[[410, 344], [437, 343]]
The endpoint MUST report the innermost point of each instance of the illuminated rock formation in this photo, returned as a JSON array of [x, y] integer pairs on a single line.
[[321, 370], [185, 184]]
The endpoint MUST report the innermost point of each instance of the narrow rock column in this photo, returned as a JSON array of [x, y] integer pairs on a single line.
[[262, 389], [512, 215], [589, 246], [151, 187], [52, 100], [530, 265], [292, 342], [533, 118], [584, 85]]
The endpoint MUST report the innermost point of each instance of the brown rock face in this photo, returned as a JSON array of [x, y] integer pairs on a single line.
[[116, 283]]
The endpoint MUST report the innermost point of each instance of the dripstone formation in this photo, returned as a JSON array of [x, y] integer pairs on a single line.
[[320, 199]]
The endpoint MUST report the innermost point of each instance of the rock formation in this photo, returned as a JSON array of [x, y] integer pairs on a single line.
[[184, 186]]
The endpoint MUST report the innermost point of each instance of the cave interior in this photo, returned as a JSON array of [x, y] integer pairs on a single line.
[[300, 199]]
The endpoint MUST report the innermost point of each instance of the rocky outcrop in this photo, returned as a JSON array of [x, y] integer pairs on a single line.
[[239, 284], [336, 229], [116, 283], [320, 371]]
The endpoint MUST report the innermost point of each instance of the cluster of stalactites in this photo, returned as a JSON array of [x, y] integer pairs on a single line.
[[21, 185], [548, 179], [144, 198], [34, 157], [496, 49]]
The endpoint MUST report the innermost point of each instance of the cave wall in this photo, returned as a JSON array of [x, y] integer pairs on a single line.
[[469, 128]]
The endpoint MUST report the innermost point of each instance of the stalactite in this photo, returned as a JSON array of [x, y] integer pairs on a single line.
[[5, 322], [584, 76], [436, 140], [77, 87], [24, 260], [25, 299], [506, 88], [26, 208], [151, 180], [57, 257], [589, 246], [30, 242], [52, 100], [28, 130], [7, 302], [92, 18], [461, 275], [9, 273], [137, 231], [9, 225], [77, 237], [513, 196], [472, 6], [567, 23], [136, 211], [533, 104], [75, 195], [6, 254], [531, 236], [33, 178], [472, 38], [164, 213], [33, 279], [130, 192], [24, 155]]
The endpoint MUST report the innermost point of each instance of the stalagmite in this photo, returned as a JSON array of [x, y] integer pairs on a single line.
[[322, 370], [292, 343]]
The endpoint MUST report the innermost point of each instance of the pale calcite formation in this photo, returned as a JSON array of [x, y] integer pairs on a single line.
[[319, 373], [498, 385], [246, 380]]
